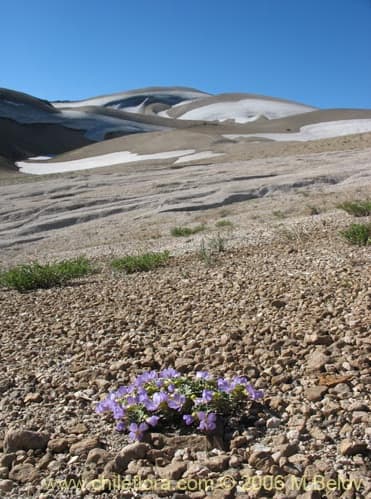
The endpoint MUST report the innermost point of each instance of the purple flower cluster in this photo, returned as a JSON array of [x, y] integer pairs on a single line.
[[168, 397]]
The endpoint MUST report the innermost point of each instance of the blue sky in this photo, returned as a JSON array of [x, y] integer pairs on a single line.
[[317, 52]]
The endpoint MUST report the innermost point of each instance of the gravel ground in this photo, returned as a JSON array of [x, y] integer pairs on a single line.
[[290, 313]]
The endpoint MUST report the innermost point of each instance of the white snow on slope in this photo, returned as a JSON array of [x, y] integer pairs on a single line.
[[245, 110], [198, 155], [325, 130], [117, 101], [114, 158]]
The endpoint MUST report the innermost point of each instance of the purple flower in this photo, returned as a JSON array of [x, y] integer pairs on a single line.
[[120, 426], [152, 420], [254, 394], [136, 431], [207, 396], [103, 406], [188, 419], [203, 375], [239, 380], [123, 390], [158, 399], [177, 401], [169, 373], [207, 421], [224, 385], [145, 378], [131, 400], [118, 411]]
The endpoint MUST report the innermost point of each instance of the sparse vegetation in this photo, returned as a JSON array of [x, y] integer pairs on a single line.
[[187, 231], [357, 208], [213, 246], [140, 263], [224, 223], [36, 276], [358, 234]]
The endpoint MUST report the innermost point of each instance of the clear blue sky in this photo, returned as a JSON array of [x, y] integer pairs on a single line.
[[317, 52]]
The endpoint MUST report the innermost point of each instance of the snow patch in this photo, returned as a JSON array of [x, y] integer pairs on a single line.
[[245, 110], [325, 130], [114, 158]]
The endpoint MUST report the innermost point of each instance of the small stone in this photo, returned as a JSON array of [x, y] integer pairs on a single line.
[[6, 486], [25, 440], [8, 459], [315, 393], [317, 434], [288, 450], [360, 417], [316, 361], [44, 461], [273, 422], [278, 303], [131, 452], [350, 447], [98, 456], [183, 364], [23, 473], [217, 463], [84, 446], [32, 398], [238, 442], [4, 472], [173, 471], [77, 429], [261, 460], [58, 445], [318, 339]]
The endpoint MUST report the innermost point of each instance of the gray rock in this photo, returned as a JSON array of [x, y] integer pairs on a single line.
[[8, 459], [4, 472], [23, 473], [129, 453], [98, 456], [316, 360], [84, 446], [315, 393], [6, 486], [25, 440], [350, 447], [173, 471]]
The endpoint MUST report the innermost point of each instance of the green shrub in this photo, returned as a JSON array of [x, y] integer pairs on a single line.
[[140, 263], [357, 208], [358, 234], [35, 276], [187, 231]]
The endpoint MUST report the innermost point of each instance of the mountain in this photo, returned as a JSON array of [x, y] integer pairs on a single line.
[[156, 123]]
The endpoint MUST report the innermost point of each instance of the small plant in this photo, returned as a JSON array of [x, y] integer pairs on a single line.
[[36, 276], [224, 223], [187, 231], [140, 263], [214, 246], [357, 208], [358, 234], [168, 399], [205, 254]]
